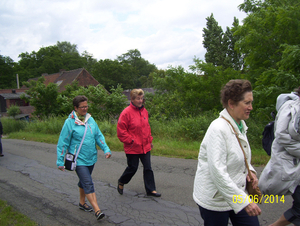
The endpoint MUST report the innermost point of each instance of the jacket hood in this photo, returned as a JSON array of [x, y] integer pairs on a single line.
[[282, 98]]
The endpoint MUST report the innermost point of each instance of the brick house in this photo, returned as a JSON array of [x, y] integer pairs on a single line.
[[10, 97], [63, 78]]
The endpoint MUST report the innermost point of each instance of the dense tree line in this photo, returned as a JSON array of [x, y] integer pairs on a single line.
[[265, 49], [129, 69]]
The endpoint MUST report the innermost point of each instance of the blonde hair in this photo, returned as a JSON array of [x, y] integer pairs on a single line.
[[136, 92]]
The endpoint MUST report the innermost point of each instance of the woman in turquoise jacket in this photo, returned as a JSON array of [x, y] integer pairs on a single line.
[[69, 142]]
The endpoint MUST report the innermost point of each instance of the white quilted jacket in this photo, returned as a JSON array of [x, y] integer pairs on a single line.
[[221, 172]]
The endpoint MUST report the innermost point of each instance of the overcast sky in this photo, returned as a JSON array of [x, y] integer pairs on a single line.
[[166, 32]]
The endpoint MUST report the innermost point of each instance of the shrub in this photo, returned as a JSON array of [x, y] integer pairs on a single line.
[[107, 128], [11, 125], [188, 128], [13, 111], [51, 125]]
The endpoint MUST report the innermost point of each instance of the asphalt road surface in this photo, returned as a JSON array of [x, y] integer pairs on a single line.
[[31, 183]]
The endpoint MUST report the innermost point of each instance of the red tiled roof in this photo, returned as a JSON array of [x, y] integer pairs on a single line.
[[64, 78]]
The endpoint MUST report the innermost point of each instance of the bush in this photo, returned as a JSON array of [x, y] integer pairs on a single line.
[[196, 127], [11, 125], [13, 111], [188, 128], [107, 128], [51, 125]]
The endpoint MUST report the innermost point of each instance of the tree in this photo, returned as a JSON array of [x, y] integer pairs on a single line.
[[143, 67], [110, 73], [49, 60], [212, 79], [269, 25], [46, 60], [89, 61], [220, 46], [67, 47], [43, 98], [213, 42], [276, 81], [269, 40], [102, 104], [233, 59], [7, 75], [183, 94], [71, 58]]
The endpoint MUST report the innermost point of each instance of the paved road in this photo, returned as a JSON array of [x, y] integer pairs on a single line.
[[30, 181]]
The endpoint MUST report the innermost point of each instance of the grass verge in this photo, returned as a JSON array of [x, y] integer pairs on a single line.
[[167, 147], [8, 216]]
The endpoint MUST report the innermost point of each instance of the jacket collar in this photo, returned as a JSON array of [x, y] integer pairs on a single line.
[[73, 115], [135, 107], [224, 113]]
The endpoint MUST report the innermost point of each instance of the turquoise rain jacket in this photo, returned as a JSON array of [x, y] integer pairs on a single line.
[[71, 136]]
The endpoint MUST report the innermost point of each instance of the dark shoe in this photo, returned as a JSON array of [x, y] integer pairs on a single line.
[[1, 155], [85, 207], [99, 215], [119, 189], [153, 194]]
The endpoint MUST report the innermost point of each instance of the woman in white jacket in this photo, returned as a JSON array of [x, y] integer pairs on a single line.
[[281, 176], [220, 180]]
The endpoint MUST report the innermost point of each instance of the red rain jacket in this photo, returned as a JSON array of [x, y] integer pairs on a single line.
[[134, 130]]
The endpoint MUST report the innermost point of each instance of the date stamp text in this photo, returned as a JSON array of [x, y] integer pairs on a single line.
[[255, 199]]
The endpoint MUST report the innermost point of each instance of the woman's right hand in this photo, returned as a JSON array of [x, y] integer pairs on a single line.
[[62, 168], [252, 209]]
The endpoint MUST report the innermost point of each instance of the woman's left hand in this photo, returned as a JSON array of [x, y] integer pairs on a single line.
[[255, 180], [107, 155]]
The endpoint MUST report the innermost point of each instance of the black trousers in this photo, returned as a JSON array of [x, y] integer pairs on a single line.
[[293, 214], [217, 218], [133, 164]]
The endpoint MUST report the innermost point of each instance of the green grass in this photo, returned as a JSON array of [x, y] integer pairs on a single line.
[[9, 217], [167, 147], [259, 157], [38, 137], [162, 147]]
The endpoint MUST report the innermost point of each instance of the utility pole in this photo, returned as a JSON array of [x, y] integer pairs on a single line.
[[18, 87]]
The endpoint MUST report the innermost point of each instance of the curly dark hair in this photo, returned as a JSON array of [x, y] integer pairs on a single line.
[[79, 99], [234, 90]]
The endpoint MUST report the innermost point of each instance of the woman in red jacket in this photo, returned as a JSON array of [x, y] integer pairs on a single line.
[[135, 133]]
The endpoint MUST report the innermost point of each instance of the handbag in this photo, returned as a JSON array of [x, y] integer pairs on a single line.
[[255, 193], [70, 159]]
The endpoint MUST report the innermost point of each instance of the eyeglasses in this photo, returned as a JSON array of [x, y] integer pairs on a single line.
[[139, 98], [83, 107]]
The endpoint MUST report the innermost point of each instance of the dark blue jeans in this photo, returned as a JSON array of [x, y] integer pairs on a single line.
[[133, 164], [216, 218], [84, 174]]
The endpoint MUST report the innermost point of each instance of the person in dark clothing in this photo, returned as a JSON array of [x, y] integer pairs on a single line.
[[1, 132]]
